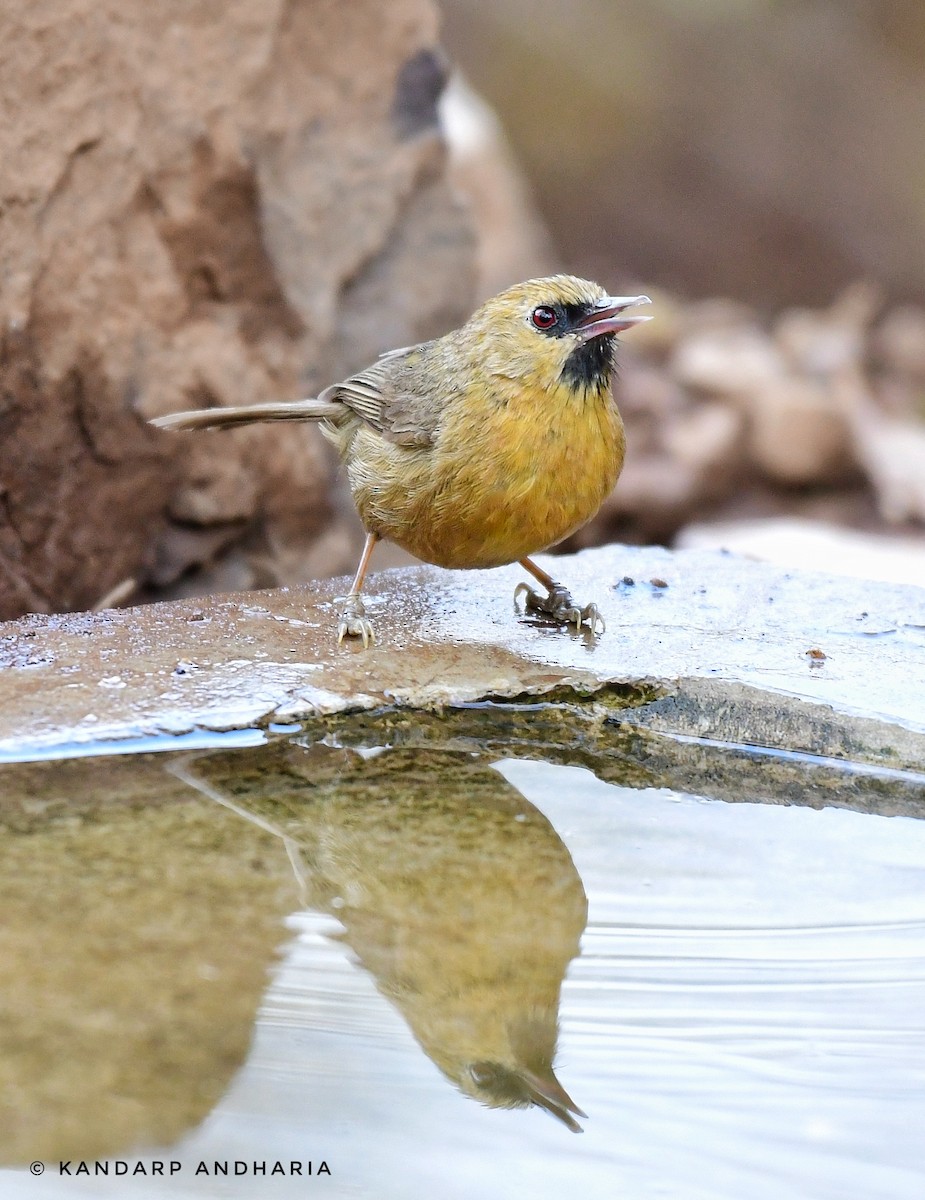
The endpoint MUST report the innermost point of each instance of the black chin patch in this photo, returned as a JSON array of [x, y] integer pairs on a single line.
[[590, 365]]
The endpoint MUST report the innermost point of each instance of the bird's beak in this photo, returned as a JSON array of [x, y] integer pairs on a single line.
[[608, 317], [547, 1092]]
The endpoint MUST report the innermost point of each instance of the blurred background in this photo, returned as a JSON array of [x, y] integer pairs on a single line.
[[767, 150], [216, 203], [759, 166]]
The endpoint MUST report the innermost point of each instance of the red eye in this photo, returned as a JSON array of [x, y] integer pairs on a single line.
[[544, 317]]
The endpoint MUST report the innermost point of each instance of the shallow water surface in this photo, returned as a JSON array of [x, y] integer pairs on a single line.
[[475, 948]]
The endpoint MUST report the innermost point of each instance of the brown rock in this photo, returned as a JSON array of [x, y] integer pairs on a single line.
[[821, 341], [685, 464], [707, 439], [648, 399], [715, 314], [512, 240], [900, 342], [890, 450], [216, 490], [799, 434], [726, 362], [201, 204]]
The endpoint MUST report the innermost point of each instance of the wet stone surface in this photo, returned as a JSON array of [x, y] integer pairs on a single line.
[[711, 646]]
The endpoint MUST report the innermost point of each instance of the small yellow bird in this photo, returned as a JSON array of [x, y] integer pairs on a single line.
[[480, 447], [452, 890]]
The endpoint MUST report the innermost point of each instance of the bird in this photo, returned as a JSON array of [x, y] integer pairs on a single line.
[[451, 889], [479, 448]]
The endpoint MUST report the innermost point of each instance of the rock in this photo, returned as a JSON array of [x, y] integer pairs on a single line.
[[200, 211], [715, 314], [821, 341], [890, 450], [719, 652], [900, 342], [653, 483], [707, 439], [726, 362], [798, 433], [217, 490], [681, 462], [648, 398], [815, 546], [512, 240], [892, 453], [182, 547]]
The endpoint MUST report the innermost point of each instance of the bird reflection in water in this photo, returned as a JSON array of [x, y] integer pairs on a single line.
[[453, 891]]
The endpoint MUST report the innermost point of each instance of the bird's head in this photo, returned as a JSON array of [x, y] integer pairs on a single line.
[[501, 1086], [558, 330]]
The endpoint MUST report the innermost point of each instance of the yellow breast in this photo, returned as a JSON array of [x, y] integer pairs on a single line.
[[508, 475]]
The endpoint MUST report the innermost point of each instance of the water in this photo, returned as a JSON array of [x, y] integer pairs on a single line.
[[745, 1016]]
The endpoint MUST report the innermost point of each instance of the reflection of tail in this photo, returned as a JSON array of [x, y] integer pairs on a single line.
[[181, 768], [251, 414]]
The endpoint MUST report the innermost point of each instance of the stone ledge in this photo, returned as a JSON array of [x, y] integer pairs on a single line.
[[728, 649]]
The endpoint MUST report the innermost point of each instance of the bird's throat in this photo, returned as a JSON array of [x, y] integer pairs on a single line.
[[589, 366]]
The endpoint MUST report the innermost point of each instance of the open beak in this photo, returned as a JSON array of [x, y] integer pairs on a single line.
[[608, 317], [547, 1092]]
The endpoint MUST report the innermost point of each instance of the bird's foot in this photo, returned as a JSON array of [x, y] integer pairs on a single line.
[[354, 623], [560, 607]]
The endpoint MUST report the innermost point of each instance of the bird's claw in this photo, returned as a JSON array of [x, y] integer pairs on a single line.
[[559, 606], [354, 623]]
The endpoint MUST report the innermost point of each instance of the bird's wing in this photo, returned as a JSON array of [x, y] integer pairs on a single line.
[[362, 393], [382, 396]]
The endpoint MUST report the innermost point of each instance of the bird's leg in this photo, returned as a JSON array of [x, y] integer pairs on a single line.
[[353, 622], [558, 602]]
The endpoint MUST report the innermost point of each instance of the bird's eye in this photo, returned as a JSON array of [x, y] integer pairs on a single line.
[[544, 317]]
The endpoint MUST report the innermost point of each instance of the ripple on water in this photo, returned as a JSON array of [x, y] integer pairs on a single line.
[[746, 1016]]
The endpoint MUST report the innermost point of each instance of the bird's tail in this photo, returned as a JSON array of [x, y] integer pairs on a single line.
[[250, 414]]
